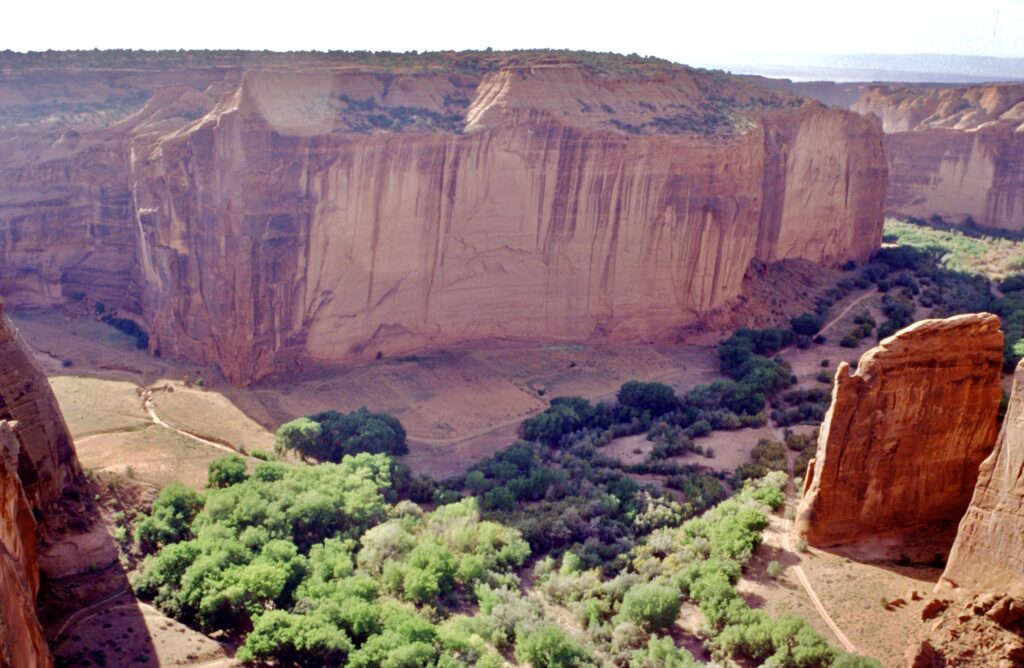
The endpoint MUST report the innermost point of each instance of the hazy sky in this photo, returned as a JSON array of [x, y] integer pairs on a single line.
[[680, 30]]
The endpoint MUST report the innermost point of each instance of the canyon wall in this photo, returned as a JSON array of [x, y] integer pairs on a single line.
[[37, 463], [899, 448], [21, 637], [953, 152], [988, 554], [267, 215], [47, 462]]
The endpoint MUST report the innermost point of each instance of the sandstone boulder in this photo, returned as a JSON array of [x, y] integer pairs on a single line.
[[934, 608], [989, 550], [924, 655], [899, 448]]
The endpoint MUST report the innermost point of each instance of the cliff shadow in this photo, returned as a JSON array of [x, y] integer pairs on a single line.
[[86, 604]]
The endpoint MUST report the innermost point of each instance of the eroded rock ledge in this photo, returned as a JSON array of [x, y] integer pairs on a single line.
[[899, 449]]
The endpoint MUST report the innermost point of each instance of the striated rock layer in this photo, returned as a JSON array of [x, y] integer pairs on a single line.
[[988, 554], [900, 446], [954, 152], [326, 212]]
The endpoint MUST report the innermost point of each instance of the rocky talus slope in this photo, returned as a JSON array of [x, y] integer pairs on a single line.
[[988, 554], [900, 447], [955, 152], [257, 212], [37, 463]]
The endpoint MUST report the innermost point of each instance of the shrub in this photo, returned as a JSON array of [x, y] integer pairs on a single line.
[[329, 435], [170, 519], [226, 471], [806, 324], [654, 607], [549, 647], [657, 398], [774, 569]]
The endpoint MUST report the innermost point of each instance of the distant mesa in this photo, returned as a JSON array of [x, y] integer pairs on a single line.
[[955, 154]]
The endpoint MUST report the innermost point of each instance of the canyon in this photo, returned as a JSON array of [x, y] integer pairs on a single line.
[[953, 152], [900, 446], [266, 215]]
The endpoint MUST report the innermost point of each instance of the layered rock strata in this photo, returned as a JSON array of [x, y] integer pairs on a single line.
[[953, 152], [900, 446], [988, 554], [329, 213]]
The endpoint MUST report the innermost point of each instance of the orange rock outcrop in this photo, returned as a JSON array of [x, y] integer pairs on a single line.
[[37, 463], [900, 447], [331, 212], [954, 152], [988, 554], [21, 638]]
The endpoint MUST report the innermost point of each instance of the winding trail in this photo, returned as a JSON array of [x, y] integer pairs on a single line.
[[158, 421], [80, 616]]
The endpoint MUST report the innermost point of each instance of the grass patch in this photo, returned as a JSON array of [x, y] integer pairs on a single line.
[[988, 253]]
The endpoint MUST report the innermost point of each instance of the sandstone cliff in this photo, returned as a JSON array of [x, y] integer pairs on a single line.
[[335, 211], [955, 152], [988, 554], [21, 637], [47, 462], [900, 446], [37, 463]]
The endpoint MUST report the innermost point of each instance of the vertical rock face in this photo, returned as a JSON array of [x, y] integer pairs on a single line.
[[267, 236], [47, 462], [37, 462], [988, 554], [900, 446], [329, 211], [21, 638], [955, 152]]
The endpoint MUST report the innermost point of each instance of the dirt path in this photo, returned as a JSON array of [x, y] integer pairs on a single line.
[[833, 321], [806, 584], [85, 613], [801, 576], [156, 420]]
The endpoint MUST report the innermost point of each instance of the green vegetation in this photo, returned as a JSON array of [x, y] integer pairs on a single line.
[[947, 272], [227, 471], [990, 253], [652, 607], [329, 435], [315, 567]]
